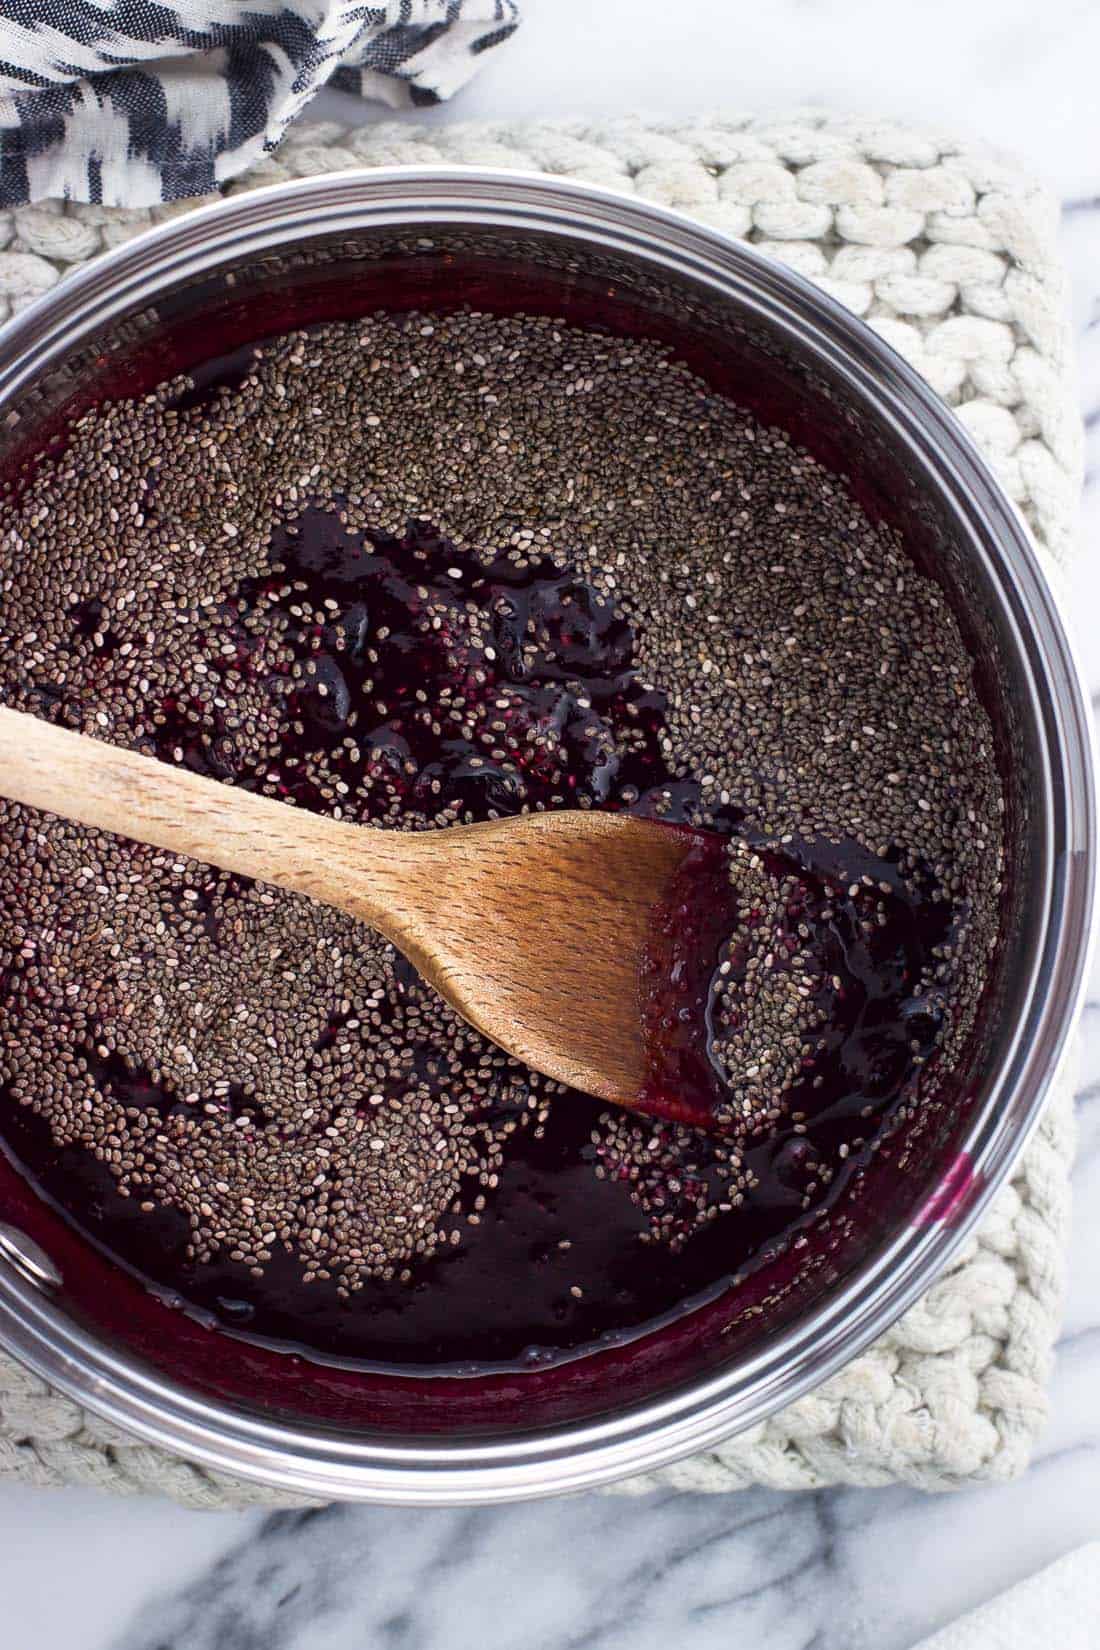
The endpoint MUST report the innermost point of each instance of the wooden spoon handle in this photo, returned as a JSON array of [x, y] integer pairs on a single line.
[[137, 796]]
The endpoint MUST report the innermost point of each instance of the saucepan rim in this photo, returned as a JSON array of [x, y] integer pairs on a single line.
[[700, 1413]]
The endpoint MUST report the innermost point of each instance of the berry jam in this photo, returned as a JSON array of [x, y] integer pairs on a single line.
[[379, 715], [572, 723], [871, 944]]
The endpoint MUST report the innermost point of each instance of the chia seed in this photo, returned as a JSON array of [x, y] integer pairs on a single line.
[[267, 1067]]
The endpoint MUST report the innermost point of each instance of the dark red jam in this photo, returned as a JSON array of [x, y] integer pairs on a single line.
[[562, 656], [871, 942]]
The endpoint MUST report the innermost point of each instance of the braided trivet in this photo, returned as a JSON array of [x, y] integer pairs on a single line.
[[950, 255]]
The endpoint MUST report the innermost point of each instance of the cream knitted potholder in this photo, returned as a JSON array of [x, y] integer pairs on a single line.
[[950, 255]]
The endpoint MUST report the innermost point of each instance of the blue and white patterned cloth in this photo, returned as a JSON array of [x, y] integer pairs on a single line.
[[130, 102]]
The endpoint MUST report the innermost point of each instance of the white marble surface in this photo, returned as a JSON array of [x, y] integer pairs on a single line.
[[841, 1570]]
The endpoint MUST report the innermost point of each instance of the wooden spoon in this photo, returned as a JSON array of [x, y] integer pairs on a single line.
[[534, 928]]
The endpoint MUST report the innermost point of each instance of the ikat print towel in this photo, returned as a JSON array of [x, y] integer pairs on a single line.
[[131, 102]]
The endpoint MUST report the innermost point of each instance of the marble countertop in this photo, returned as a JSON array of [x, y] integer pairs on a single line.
[[836, 1570]]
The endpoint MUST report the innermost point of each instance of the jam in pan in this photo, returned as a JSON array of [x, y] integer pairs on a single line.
[[506, 1293], [412, 683]]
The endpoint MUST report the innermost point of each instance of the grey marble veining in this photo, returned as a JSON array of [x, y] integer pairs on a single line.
[[585, 1571], [837, 1570]]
